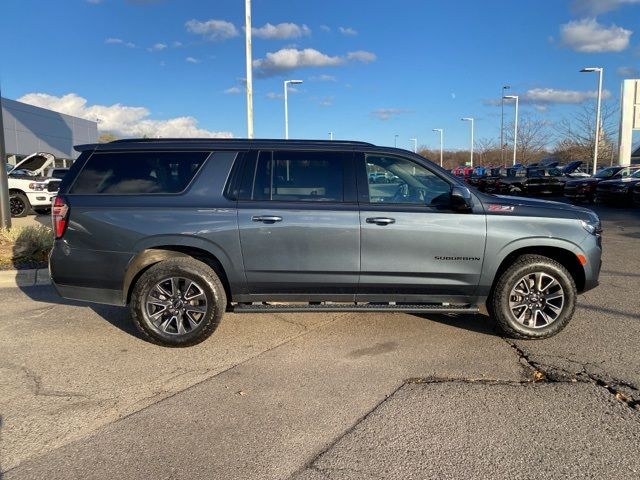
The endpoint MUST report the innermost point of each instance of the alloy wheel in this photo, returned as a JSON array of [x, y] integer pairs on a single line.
[[17, 206], [176, 306], [536, 300]]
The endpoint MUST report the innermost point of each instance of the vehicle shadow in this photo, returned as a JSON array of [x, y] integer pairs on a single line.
[[116, 316], [478, 323]]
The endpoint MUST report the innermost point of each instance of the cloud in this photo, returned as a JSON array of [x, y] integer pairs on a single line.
[[119, 41], [233, 90], [158, 47], [176, 44], [388, 113], [326, 101], [122, 120], [362, 56], [287, 59], [596, 7], [550, 96], [275, 96], [348, 31], [281, 31], [214, 30], [323, 78], [629, 72], [191, 60], [325, 28], [589, 36], [542, 97]]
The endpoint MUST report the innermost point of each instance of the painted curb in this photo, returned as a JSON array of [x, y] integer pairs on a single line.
[[24, 278]]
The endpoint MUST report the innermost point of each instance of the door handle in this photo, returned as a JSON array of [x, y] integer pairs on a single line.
[[381, 220], [266, 218]]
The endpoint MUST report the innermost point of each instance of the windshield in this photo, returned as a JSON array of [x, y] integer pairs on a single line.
[[8, 167], [636, 174], [606, 173]]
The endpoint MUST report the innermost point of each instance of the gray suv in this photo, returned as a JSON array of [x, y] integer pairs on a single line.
[[184, 230]]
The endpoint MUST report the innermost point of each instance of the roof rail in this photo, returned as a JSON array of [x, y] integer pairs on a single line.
[[236, 140]]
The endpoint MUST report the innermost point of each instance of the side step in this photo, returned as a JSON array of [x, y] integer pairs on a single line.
[[352, 307]]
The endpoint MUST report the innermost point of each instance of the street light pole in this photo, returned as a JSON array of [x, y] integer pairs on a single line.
[[5, 210], [515, 133], [504, 87], [415, 144], [249, 59], [395, 141], [286, 105], [472, 120], [441, 130], [600, 71], [330, 135]]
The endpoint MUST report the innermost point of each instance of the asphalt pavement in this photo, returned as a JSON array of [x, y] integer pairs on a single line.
[[326, 396]]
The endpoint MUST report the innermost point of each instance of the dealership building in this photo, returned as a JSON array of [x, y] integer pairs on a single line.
[[29, 129]]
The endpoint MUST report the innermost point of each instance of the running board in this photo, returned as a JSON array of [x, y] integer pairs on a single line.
[[352, 307]]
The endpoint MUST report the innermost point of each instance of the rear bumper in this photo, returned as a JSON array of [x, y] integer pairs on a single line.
[[93, 295], [88, 275]]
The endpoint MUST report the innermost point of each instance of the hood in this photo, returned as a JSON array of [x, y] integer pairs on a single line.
[[571, 167], [531, 207], [36, 163]]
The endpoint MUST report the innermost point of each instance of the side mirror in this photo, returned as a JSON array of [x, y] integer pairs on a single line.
[[461, 199]]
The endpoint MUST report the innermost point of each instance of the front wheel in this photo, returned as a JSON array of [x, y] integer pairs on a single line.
[[178, 302], [534, 298], [19, 204]]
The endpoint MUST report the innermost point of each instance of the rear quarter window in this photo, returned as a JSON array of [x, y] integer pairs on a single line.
[[136, 173]]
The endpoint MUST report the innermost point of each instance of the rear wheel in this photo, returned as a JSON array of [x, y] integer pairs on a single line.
[[178, 302], [19, 204], [534, 298]]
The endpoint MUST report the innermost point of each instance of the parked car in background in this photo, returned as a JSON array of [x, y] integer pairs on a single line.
[[534, 180], [185, 230], [636, 195], [491, 174], [584, 189], [619, 191], [32, 185]]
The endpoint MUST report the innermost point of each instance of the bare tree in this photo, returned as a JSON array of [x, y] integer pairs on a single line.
[[534, 139], [488, 151], [106, 138], [577, 134]]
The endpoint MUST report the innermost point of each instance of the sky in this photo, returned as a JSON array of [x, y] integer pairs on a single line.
[[371, 69]]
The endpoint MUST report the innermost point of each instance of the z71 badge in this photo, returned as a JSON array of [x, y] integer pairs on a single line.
[[501, 208]]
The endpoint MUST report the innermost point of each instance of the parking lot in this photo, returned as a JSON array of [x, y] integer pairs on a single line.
[[326, 396]]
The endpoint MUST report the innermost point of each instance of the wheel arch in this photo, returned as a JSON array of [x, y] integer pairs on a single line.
[[151, 256], [564, 256]]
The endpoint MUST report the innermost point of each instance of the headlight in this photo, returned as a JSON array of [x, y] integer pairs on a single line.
[[593, 225], [38, 187]]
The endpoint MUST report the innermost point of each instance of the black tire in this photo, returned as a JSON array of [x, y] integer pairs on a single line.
[[499, 303], [19, 204], [177, 313]]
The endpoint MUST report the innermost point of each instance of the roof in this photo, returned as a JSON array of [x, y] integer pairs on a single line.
[[227, 143]]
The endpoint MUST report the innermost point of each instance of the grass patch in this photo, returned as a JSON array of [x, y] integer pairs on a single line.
[[25, 247]]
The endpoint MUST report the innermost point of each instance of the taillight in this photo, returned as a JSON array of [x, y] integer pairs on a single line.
[[59, 216]]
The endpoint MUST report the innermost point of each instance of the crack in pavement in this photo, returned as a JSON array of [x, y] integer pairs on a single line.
[[542, 372]]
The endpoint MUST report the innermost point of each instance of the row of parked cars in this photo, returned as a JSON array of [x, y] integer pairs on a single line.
[[33, 183], [615, 184]]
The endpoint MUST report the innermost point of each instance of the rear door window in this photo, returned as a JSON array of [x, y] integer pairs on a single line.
[[138, 172], [295, 176]]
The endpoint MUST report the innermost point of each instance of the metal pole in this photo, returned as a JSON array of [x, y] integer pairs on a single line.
[[395, 141], [5, 210], [249, 58], [330, 135], [415, 144], [595, 151], [441, 145], [286, 110], [504, 87], [472, 128], [515, 133]]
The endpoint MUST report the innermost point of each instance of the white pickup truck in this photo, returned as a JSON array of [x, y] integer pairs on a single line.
[[33, 183]]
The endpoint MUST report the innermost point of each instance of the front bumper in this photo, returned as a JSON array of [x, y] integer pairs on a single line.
[[40, 199]]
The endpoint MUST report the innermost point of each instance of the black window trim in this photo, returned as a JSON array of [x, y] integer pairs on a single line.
[[160, 194]]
